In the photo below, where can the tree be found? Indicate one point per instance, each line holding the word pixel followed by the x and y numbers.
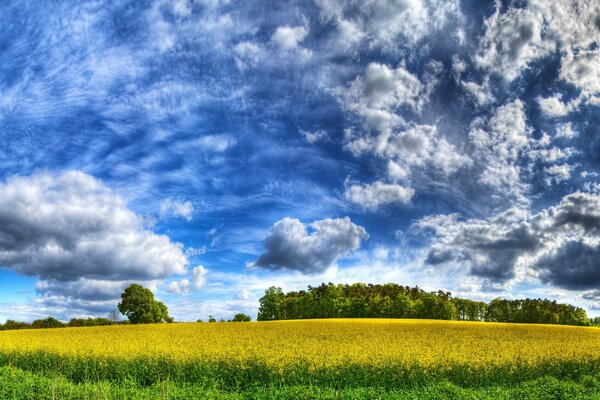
pixel 241 318
pixel 270 304
pixel 49 322
pixel 113 316
pixel 211 319
pixel 138 304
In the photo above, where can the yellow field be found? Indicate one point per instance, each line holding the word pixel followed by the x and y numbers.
pixel 322 343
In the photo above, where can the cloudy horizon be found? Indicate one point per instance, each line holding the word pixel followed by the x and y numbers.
pixel 209 149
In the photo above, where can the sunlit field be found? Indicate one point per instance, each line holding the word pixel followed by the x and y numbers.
pixel 334 355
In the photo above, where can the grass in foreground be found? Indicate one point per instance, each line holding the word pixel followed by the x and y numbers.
pixel 20 385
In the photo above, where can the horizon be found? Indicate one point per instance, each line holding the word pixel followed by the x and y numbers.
pixel 211 149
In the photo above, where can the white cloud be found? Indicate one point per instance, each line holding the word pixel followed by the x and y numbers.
pixel 386 24
pixel 316 136
pixel 498 144
pixel 511 41
pixel 581 70
pixel 176 208
pixel 199 277
pixel 554 107
pixel 557 173
pixel 376 95
pixel 288 38
pixel 196 281
pixel 482 94
pixel 565 131
pixel 178 287
pixel 515 38
pixel 291 245
pixel 79 238
pixel 378 193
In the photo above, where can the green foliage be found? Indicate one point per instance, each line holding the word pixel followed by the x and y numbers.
pixel 211 319
pixel 395 301
pixel 552 380
pixel 49 322
pixel 138 304
pixel 241 318
pixel 76 322
pixel 17 384
pixel 271 305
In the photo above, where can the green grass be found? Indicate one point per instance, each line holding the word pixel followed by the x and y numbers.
pixel 234 377
pixel 17 384
pixel 49 376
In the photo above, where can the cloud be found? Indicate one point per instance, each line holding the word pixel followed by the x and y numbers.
pixel 511 40
pixel 309 248
pixel 515 244
pixel 557 174
pixel 378 193
pixel 553 106
pixel 521 35
pixel 316 136
pixel 573 266
pixel 499 142
pixel 176 208
pixel 288 38
pixel 379 92
pixel 196 282
pixel 79 238
pixel 386 24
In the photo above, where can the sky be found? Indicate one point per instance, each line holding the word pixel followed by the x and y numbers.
pixel 209 149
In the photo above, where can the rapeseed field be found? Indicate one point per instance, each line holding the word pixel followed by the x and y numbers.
pixel 380 353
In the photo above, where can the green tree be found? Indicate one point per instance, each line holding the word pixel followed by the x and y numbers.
pixel 138 304
pixel 270 304
pixel 241 318
pixel 49 322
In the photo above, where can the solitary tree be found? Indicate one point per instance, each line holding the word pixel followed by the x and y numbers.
pixel 138 304
pixel 241 318
pixel 113 316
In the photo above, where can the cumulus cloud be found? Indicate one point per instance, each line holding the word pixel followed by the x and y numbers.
pixel 79 238
pixel 515 38
pixel 309 248
pixel 176 208
pixel 559 245
pixel 378 193
pixel 196 281
pixel 287 37
pixel 379 92
pixel 498 144
pixel 378 98
pixel 384 24
pixel 557 174
pixel 554 107
pixel 574 265
pixel 511 40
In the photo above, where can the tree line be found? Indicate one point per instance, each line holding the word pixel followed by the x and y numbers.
pixel 391 300
pixel 137 304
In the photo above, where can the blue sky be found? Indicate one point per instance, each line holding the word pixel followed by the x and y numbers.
pixel 210 149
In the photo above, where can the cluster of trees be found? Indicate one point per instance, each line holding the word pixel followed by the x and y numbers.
pixel 240 317
pixel 390 300
pixel 52 322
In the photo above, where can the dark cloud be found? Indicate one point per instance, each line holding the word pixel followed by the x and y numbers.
pixel 492 248
pixel 574 266
pixel 290 245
